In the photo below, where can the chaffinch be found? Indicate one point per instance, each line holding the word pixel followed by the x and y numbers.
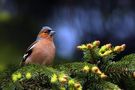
pixel 42 51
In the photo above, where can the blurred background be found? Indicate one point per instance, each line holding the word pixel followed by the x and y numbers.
pixel 75 22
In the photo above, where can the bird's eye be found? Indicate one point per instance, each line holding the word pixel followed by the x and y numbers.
pixel 47 31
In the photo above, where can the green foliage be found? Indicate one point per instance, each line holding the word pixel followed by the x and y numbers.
pixel 122 72
pixel 5 76
pixel 98 71
pixel 103 85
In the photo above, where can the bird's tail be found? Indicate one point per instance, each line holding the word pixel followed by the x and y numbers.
pixel 22 63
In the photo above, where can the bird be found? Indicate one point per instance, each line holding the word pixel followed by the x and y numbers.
pixel 42 51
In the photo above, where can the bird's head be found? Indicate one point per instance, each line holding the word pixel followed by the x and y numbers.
pixel 46 33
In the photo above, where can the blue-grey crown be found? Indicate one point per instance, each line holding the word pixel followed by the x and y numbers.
pixel 46 27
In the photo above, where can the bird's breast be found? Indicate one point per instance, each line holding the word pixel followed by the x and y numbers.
pixel 44 53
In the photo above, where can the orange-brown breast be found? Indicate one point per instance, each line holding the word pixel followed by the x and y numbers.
pixel 43 53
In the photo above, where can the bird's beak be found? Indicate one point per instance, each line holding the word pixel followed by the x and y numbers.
pixel 52 33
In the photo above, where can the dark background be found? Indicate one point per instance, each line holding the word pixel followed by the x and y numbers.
pixel 75 22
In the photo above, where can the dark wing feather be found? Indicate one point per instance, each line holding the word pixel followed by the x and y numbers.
pixel 28 53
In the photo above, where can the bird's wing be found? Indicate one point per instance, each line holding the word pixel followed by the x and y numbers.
pixel 28 52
